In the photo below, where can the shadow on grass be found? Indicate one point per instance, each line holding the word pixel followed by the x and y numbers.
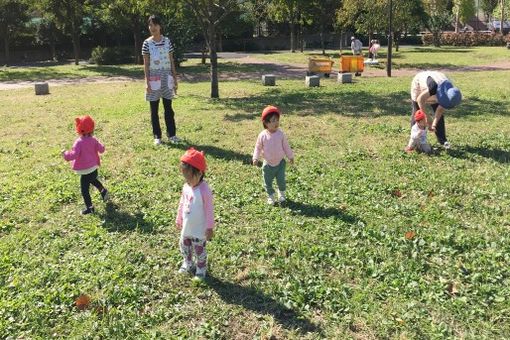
pixel 255 300
pixel 134 72
pixel 466 152
pixel 438 50
pixel 312 210
pixel 214 151
pixel 231 71
pixel 66 71
pixel 353 102
pixel 122 221
pixel 350 102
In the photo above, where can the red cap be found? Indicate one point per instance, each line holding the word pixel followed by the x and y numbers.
pixel 194 158
pixel 84 125
pixel 419 115
pixel 270 109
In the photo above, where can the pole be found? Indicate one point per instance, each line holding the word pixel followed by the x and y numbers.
pixel 390 39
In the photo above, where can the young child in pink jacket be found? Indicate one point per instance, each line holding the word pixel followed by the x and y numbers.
pixel 272 144
pixel 195 215
pixel 85 160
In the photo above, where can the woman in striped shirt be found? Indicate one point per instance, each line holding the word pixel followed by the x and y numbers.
pixel 161 78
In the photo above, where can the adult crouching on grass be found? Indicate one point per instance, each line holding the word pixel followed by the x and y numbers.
pixel 435 89
pixel 161 78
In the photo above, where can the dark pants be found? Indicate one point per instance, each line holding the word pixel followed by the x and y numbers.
pixel 440 127
pixel 85 182
pixel 169 118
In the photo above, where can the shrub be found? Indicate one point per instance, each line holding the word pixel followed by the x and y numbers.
pixel 468 39
pixel 111 55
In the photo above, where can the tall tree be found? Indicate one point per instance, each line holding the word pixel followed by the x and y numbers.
pixel 258 10
pixel 463 11
pixel 287 11
pixel 488 7
pixel 501 11
pixel 439 16
pixel 321 13
pixel 130 14
pixel 68 16
pixel 12 18
pixel 210 14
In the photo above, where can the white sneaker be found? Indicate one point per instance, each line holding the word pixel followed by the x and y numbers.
pixel 200 274
pixel 157 141
pixel 447 145
pixel 186 268
pixel 270 200
pixel 281 199
pixel 175 139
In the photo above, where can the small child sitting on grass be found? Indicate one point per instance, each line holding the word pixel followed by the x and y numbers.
pixel 418 139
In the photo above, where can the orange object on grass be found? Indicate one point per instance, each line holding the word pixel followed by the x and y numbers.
pixel 320 65
pixel 351 63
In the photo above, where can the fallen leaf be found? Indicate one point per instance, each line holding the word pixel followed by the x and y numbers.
pixel 397 193
pixel 452 288
pixel 410 235
pixel 82 302
pixel 430 194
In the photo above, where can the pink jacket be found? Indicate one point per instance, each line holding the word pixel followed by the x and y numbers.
pixel 85 153
pixel 207 198
pixel 273 147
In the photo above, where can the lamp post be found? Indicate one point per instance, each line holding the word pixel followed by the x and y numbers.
pixel 390 39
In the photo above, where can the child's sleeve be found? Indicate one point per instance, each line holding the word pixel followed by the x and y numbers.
pixel 415 133
pixel 178 219
pixel 286 148
pixel 100 146
pixel 207 198
pixel 74 152
pixel 258 148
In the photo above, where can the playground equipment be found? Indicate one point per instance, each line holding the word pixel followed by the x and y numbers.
pixel 319 65
pixel 352 64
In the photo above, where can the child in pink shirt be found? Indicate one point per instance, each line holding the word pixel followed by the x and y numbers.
pixel 272 144
pixel 85 160
pixel 195 215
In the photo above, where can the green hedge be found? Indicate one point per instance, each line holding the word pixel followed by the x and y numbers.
pixel 111 55
pixel 468 39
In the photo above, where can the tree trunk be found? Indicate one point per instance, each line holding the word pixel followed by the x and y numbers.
pixel 214 61
pixel 137 37
pixel 6 45
pixel 502 15
pixel 76 44
pixel 457 21
pixel 292 33
pixel 323 45
pixel 220 41
pixel 301 38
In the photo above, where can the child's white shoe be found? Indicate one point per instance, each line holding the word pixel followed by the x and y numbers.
pixel 270 200
pixel 200 274
pixel 157 141
pixel 186 268
pixel 447 145
pixel 281 197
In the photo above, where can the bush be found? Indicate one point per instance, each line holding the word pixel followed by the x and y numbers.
pixel 111 55
pixel 468 39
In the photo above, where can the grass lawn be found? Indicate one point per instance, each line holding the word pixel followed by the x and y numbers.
pixel 410 57
pixel 334 262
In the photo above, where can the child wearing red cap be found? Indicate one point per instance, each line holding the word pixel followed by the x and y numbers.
pixel 272 144
pixel 85 160
pixel 418 139
pixel 195 215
